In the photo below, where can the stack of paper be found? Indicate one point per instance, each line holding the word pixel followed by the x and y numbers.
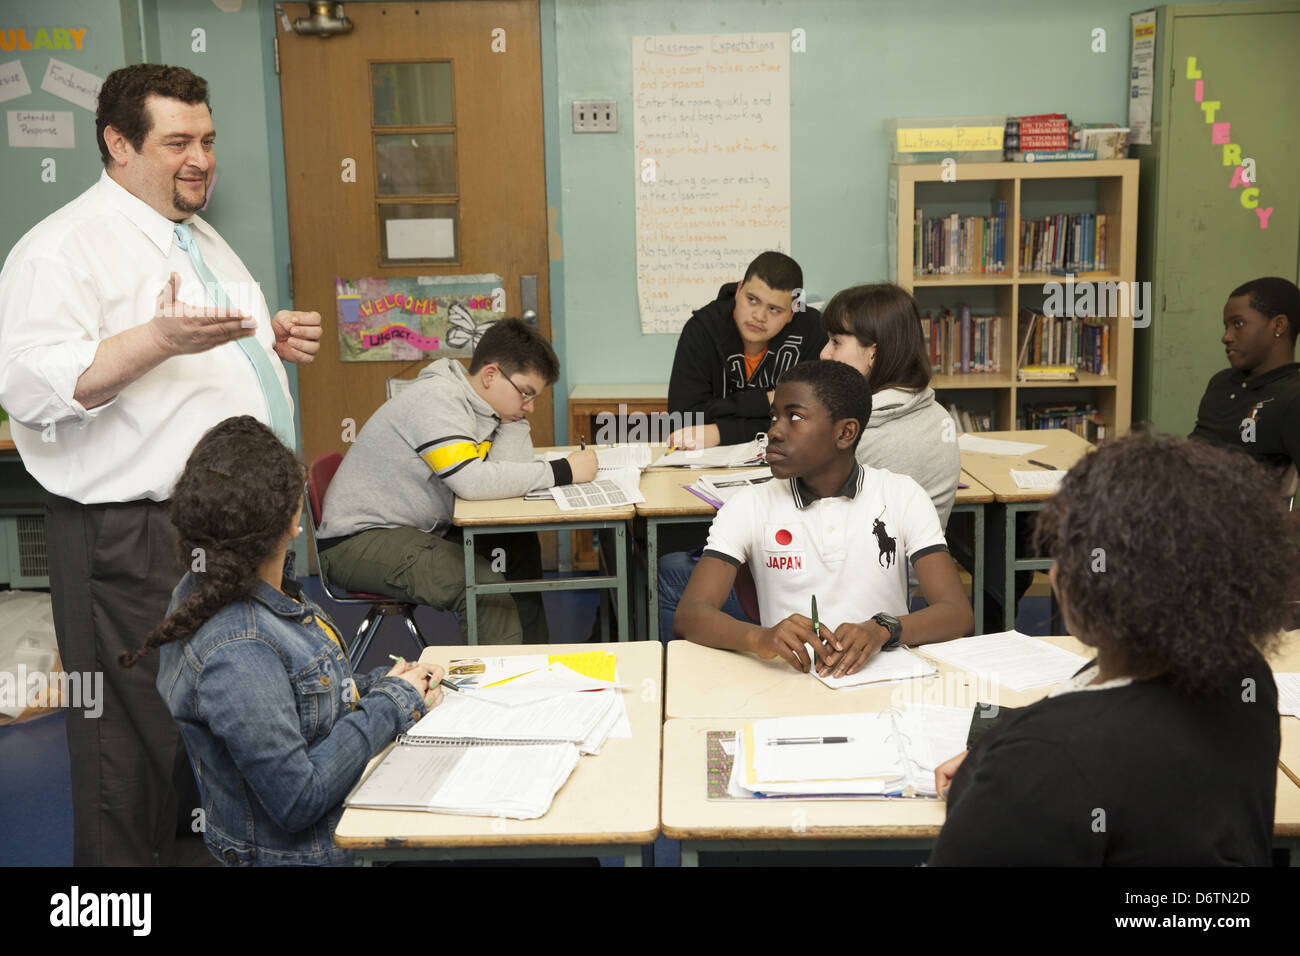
pixel 720 456
pixel 1038 480
pixel 896 664
pixel 868 755
pixel 719 489
pixel 1288 694
pixel 1010 658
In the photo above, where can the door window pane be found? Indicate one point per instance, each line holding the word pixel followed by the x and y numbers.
pixel 411 232
pixel 416 164
pixel 412 94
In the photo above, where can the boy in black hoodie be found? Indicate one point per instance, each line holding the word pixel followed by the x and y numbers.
pixel 732 351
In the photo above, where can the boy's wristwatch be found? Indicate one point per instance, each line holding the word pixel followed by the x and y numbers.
pixel 895 628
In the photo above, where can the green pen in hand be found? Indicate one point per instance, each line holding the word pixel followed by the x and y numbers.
pixel 817 627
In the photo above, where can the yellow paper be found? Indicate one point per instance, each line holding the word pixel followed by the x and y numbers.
pixel 949 139
pixel 598 665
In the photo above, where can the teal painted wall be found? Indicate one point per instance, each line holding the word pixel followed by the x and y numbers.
pixel 865 62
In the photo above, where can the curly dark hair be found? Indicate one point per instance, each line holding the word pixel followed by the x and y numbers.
pixel 234 501
pixel 837 386
pixel 122 99
pixel 884 315
pixel 1198 568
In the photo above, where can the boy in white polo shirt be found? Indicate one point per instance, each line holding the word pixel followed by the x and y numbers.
pixel 826 527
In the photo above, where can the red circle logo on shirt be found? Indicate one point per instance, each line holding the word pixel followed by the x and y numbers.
pixel 784 537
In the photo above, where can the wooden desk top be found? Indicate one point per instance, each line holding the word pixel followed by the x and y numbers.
pixel 1062 448
pixel 612 797
pixel 619 393
pixel 705 682
pixel 976 494
pixel 1287 660
pixel 688 813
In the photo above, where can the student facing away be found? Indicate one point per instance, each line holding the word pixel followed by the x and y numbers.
pixel 1163 751
pixel 877 330
pixel 825 526
pixel 732 351
pixel 386 527
pixel 277 726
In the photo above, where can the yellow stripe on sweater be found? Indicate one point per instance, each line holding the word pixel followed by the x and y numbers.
pixel 449 456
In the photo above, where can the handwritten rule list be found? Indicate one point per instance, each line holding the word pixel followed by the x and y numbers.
pixel 712 132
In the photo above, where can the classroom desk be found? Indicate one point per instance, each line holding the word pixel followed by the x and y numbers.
pixel 709 689
pixel 973 501
pixel 608 807
pixel 1286 659
pixel 1062 448
pixel 705 682
pixel 518 514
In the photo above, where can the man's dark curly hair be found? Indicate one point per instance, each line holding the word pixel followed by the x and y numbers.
pixel 841 388
pixel 122 100
pixel 1198 568
pixel 234 501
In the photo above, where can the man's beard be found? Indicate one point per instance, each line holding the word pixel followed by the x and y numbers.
pixel 188 205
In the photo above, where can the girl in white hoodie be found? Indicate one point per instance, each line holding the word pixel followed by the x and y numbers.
pixel 877 329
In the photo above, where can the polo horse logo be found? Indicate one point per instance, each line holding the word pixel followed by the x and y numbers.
pixel 887 545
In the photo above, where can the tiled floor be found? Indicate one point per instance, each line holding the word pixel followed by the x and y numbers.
pixel 35 789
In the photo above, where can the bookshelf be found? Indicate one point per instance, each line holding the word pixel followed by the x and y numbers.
pixel 1030 191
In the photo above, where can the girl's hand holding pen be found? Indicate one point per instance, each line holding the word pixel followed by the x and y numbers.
pixel 423 677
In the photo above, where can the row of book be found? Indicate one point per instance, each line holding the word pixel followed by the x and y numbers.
pixel 1082 419
pixel 1045 137
pixel 1080 342
pixel 1064 243
pixel 963 343
pixel 968 421
pixel 956 244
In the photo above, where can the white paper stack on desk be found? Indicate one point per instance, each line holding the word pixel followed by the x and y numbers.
pixel 848 756
pixel 502 750
pixel 617 482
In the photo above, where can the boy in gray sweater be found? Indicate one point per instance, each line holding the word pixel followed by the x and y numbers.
pixel 386 526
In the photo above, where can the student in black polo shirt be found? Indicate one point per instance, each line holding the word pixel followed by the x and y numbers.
pixel 1254 405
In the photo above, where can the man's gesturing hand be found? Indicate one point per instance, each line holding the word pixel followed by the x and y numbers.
pixel 297 335
pixel 181 329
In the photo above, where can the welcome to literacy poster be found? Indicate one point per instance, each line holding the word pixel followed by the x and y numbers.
pixel 409 318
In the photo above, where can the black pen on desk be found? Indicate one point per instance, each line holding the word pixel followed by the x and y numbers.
pixel 582 442
pixel 444 682
pixel 779 741
pixel 1043 464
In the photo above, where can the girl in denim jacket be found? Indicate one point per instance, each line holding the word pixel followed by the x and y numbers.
pixel 277 727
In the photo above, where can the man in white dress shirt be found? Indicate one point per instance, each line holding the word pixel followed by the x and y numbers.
pixel 116 355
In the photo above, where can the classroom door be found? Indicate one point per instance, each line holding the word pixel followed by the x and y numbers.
pixel 413 147
pixel 1214 243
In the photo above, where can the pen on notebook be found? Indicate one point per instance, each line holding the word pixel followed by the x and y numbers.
pixel 444 682
pixel 1043 464
pixel 778 741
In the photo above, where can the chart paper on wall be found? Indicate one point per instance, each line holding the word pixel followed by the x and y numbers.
pixel 711 124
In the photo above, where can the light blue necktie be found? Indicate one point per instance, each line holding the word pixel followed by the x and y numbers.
pixel 277 407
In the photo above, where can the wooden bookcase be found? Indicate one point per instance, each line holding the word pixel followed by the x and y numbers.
pixel 1031 191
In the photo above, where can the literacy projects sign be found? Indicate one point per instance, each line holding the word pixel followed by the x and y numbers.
pixel 408 318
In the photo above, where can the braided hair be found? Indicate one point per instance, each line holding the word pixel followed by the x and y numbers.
pixel 231 506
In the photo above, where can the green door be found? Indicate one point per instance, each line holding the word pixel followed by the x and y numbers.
pixel 1211 242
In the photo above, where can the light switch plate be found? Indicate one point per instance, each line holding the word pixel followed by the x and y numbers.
pixel 595 116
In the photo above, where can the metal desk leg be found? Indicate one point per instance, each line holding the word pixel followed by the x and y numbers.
pixel 652 576
pixel 620 563
pixel 471 585
pixel 1009 569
